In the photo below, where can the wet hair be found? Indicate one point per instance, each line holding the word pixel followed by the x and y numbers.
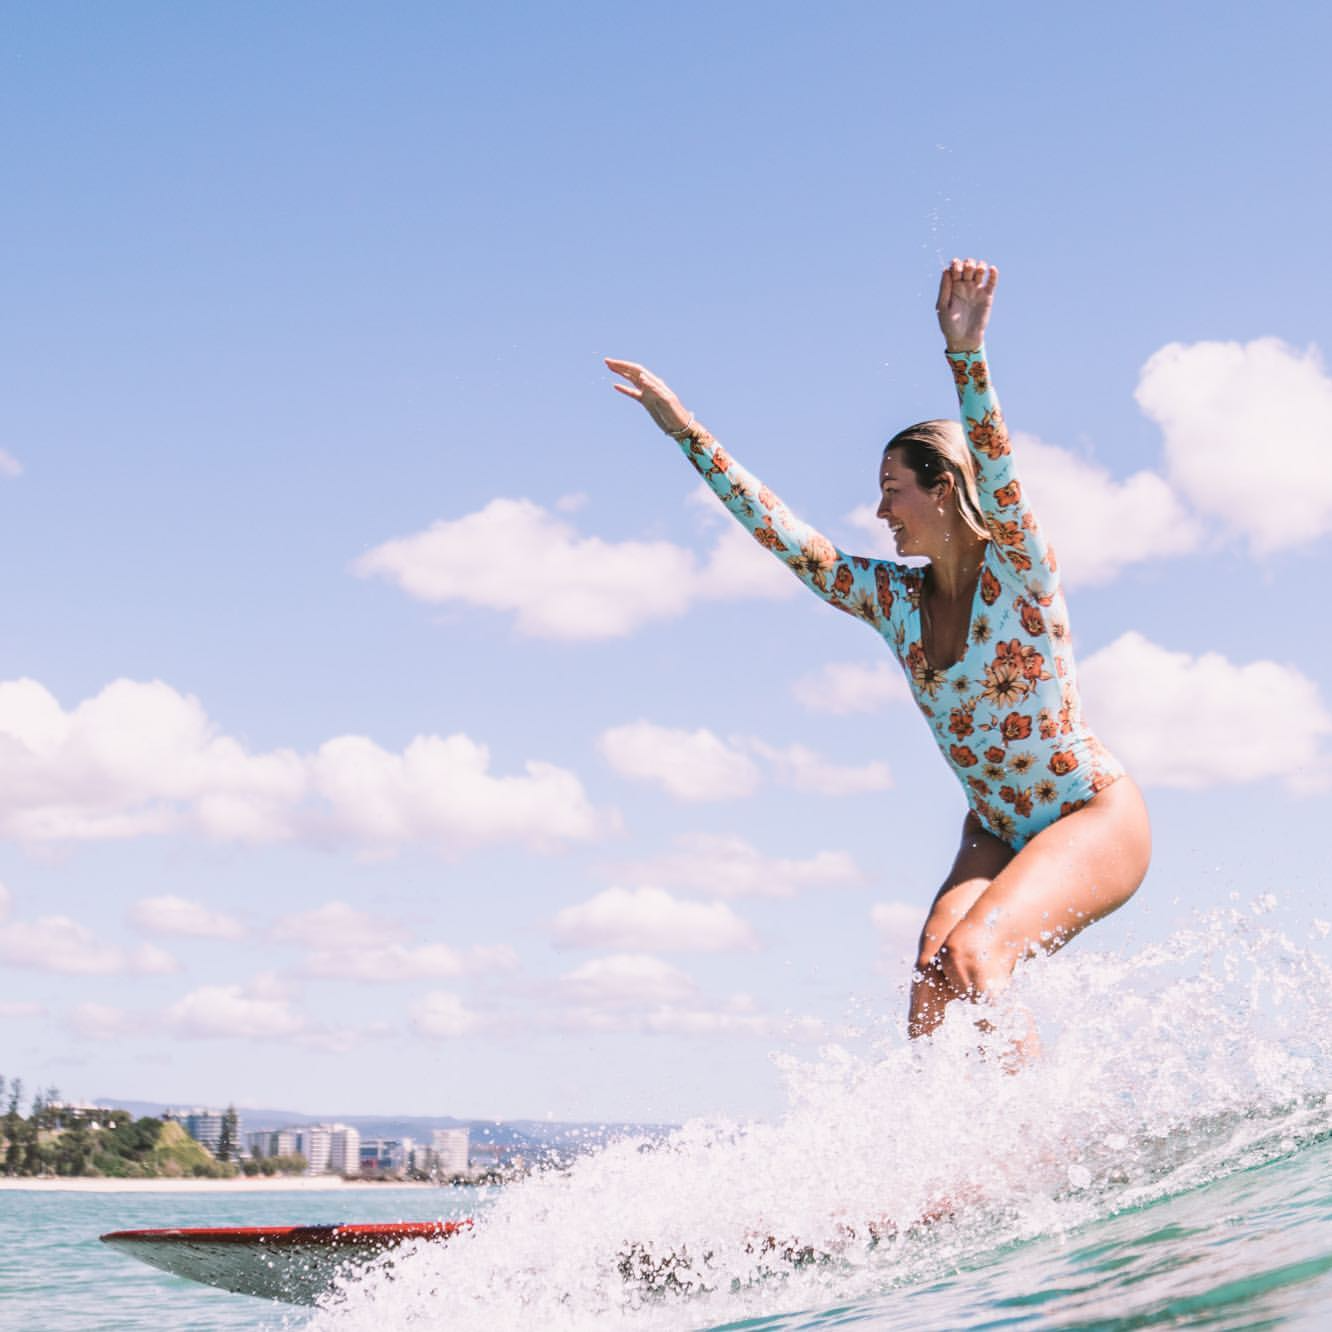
pixel 935 449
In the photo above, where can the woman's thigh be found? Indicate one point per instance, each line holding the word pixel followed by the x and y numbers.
pixel 1074 872
pixel 980 857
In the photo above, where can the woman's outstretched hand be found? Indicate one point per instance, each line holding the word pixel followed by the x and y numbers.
pixel 643 386
pixel 966 293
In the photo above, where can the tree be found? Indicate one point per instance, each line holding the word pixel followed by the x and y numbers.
pixel 226 1141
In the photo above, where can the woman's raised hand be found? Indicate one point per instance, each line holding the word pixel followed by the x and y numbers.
pixel 643 386
pixel 966 292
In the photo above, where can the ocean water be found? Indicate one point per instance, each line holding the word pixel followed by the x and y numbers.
pixel 1165 1162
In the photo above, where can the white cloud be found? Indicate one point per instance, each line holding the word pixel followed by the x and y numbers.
pixel 803 769
pixel 1248 432
pixel 10 467
pixel 224 1011
pixel 20 1010
pixel 626 979
pixel 844 687
pixel 397 962
pixel 140 759
pixel 698 765
pixel 177 915
pixel 336 926
pixel 651 920
pixel 63 945
pixel 1183 721
pixel 690 765
pixel 515 556
pixel 1099 525
pixel 729 866
pixel 443 1016
pixel 101 1022
pixel 440 790
pixel 898 925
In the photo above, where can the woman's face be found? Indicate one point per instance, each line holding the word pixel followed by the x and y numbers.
pixel 912 513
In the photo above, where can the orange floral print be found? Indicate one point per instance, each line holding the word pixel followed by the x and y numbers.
pixel 1015 727
pixel 1032 620
pixel 963 755
pixel 1062 762
pixel 883 589
pixel 989 434
pixel 989 587
pixel 959 723
pixel 843 580
pixel 980 376
pixel 769 539
pixel 1008 495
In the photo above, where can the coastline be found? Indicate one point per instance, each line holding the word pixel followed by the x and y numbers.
pixel 296 1184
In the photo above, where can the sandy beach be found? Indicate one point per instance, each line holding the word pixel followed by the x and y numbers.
pixel 296 1184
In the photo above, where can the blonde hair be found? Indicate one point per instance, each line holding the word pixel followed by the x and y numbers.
pixel 935 449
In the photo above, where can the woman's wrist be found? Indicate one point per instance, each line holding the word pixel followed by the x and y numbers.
pixel 681 431
pixel 952 350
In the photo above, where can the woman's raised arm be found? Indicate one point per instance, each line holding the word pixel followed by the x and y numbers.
pixel 860 586
pixel 966 296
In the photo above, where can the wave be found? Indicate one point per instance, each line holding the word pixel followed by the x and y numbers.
pixel 897 1166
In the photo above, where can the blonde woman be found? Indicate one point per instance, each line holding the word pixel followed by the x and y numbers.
pixel 1057 835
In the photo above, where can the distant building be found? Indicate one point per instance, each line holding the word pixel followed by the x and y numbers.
pixel 204 1126
pixel 386 1156
pixel 451 1148
pixel 274 1142
pixel 330 1148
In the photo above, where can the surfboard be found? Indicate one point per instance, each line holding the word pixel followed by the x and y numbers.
pixel 295 1264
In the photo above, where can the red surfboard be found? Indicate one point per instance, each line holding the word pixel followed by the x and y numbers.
pixel 296 1264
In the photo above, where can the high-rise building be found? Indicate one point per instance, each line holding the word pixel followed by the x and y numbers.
pixel 204 1126
pixel 274 1142
pixel 451 1147
pixel 332 1148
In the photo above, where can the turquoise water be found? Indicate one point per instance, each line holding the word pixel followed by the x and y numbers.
pixel 1165 1162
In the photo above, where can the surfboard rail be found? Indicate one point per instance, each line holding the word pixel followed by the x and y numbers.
pixel 294 1264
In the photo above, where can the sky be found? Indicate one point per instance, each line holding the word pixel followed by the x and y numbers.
pixel 388 725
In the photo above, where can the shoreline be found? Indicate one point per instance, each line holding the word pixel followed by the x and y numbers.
pixel 297 1184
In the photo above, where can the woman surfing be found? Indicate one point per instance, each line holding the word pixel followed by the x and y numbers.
pixel 1057 834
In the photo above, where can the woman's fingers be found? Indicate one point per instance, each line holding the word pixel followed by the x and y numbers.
pixel 636 394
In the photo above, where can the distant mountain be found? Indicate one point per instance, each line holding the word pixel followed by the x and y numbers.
pixel 533 1137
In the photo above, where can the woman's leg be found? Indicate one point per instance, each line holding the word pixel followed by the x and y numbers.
pixel 1074 872
pixel 980 857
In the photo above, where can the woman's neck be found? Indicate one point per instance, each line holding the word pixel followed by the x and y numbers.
pixel 954 570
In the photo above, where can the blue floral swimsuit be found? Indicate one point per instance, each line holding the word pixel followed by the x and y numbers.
pixel 1006 716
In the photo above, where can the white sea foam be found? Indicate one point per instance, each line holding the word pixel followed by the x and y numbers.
pixel 1161 1069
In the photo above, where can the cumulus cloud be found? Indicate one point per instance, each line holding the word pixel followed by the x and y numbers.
pixel 803 769
pixel 257 1012
pixel 650 920
pixel 722 865
pixel 1196 721
pixel 626 979
pixel 1097 524
pixel 442 1016
pixel 68 947
pixel 700 766
pixel 1248 430
pixel 844 687
pixel 10 467
pixel 349 944
pixel 398 962
pixel 179 916
pixel 141 758
pixel 20 1010
pixel 102 1022
pixel 517 557
pixel 690 765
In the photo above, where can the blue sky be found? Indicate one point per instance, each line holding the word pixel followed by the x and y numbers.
pixel 287 286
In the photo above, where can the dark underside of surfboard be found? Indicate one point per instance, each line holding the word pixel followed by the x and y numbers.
pixel 295 1264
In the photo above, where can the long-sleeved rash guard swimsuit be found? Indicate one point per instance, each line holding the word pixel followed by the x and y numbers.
pixel 1006 716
